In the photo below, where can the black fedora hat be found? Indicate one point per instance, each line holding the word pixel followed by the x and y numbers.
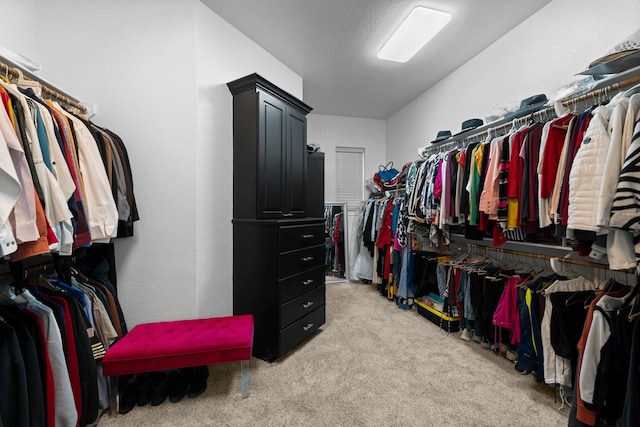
pixel 470 124
pixel 527 106
pixel 442 135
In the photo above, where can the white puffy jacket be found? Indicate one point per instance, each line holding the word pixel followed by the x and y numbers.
pixel 587 171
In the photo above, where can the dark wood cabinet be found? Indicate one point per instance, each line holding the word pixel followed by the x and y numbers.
pixel 270 151
pixel 278 276
pixel 278 225
pixel 315 193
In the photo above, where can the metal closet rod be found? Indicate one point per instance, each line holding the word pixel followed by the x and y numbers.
pixel 602 92
pixel 534 255
pixel 16 72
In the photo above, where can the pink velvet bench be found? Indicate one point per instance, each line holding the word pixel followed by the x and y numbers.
pixel 181 344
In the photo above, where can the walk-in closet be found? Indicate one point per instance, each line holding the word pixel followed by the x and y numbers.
pixel 280 212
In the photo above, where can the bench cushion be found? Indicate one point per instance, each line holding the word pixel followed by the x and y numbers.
pixel 179 344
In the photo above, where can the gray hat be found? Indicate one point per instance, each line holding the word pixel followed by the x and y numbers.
pixel 527 106
pixel 442 135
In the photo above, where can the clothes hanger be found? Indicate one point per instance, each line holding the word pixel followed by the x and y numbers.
pixel 580 298
pixel 22 82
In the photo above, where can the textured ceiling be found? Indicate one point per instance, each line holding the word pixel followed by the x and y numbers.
pixel 332 45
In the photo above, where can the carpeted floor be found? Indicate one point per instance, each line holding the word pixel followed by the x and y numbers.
pixel 371 364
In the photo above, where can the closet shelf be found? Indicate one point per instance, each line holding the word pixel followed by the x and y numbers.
pixel 13 70
pixel 608 86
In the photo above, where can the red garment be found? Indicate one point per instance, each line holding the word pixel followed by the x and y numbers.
pixel 498 236
pixel 386 273
pixel 385 233
pixel 516 167
pixel 551 154
pixel 71 353
pixel 5 101
pixel 51 236
pixel 50 404
pixel 336 228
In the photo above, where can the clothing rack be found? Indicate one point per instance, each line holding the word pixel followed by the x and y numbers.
pixel 547 258
pixel 493 129
pixel 14 71
pixel 519 253
pixel 602 93
pixel 603 89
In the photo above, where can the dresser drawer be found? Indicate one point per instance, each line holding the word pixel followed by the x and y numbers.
pixel 301 329
pixel 298 307
pixel 300 260
pixel 300 236
pixel 293 286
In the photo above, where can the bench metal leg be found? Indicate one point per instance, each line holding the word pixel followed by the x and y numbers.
pixel 244 379
pixel 114 395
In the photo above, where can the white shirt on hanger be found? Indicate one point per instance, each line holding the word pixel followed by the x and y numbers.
pixel 102 210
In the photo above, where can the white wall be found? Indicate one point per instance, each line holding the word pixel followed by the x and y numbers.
pixel 223 55
pixel 157 71
pixel 139 66
pixel 13 34
pixel 330 132
pixel 539 56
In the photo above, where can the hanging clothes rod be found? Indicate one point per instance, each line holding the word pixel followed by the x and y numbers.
pixel 490 130
pixel 12 70
pixel 582 263
pixel 604 92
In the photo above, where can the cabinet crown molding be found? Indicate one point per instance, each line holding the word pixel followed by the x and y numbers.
pixel 257 82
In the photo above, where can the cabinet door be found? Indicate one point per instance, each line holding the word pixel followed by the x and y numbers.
pixel 296 163
pixel 272 169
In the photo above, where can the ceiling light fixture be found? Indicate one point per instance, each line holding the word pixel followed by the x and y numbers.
pixel 414 32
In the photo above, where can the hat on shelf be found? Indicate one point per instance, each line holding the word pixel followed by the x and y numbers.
pixel 470 124
pixel 623 56
pixel 527 106
pixel 442 135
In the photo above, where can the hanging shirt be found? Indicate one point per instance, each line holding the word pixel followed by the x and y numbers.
pixel 102 210
pixel 489 197
pixel 23 216
pixel 10 189
pixel 562 161
pixel 543 203
pixel 554 144
pixel 530 154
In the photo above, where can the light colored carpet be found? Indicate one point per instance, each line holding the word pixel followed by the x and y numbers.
pixel 371 364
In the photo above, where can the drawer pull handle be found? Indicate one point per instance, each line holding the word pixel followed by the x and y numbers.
pixel 307 304
pixel 307 236
pixel 288 214
pixel 307 259
pixel 307 282
pixel 307 326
